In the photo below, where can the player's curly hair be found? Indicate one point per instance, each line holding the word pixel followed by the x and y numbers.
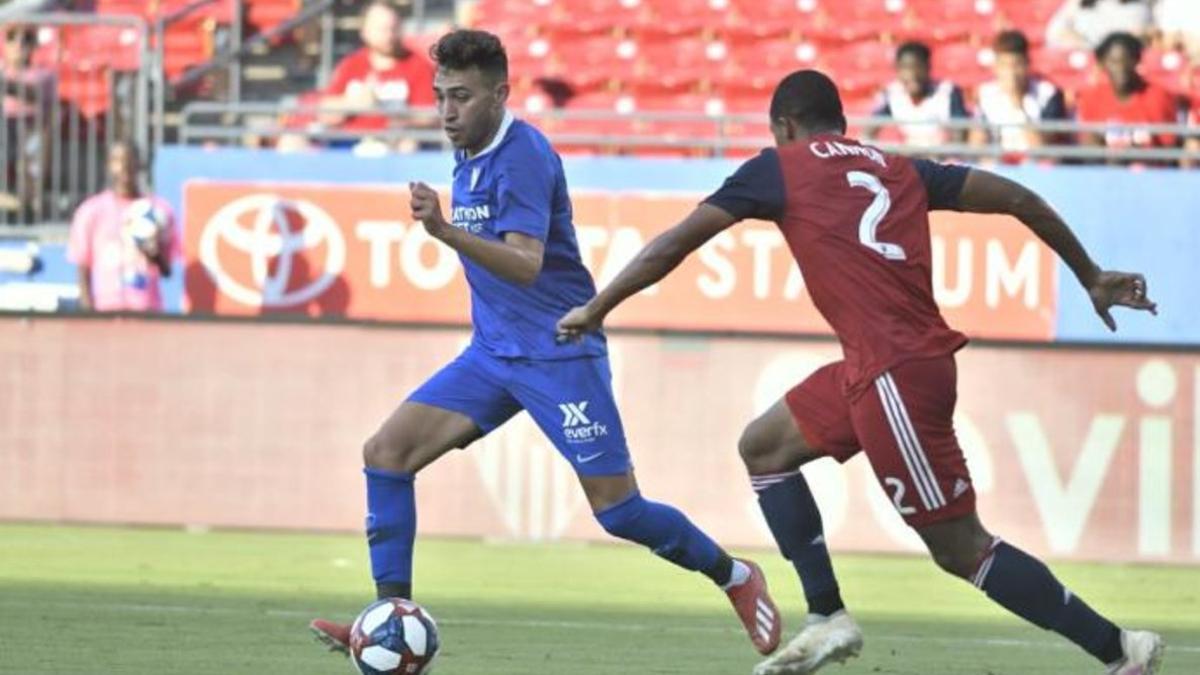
pixel 464 49
pixel 811 99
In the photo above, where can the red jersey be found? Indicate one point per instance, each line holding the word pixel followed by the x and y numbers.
pixel 408 82
pixel 1149 105
pixel 856 220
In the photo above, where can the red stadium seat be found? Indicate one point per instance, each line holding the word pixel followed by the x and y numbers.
pixel 532 57
pixel 530 101
pixel 684 51
pixel 48 52
pixel 596 63
pixel 115 47
pixel 220 10
pixel 186 44
pixel 678 66
pixel 667 57
pixel 594 17
pixel 134 7
pixel 943 21
pixel 963 63
pixel 778 56
pixel 1070 69
pixel 1032 16
pixel 87 89
pixel 860 84
pixel 757 21
pixel 860 56
pixel 746 79
pixel 1168 69
pixel 845 22
pixel 266 14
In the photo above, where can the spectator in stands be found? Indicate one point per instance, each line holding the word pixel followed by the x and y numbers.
pixel 921 104
pixel 1192 144
pixel 1177 23
pixel 382 75
pixel 28 97
pixel 1015 99
pixel 1125 97
pixel 123 241
pixel 1083 24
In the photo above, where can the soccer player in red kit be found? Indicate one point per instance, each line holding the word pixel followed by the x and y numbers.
pixel 856 220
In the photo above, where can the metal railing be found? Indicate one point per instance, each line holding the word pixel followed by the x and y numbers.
pixel 161 85
pixel 707 135
pixel 64 108
pixel 240 49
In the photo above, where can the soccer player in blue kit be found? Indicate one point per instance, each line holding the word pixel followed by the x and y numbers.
pixel 511 224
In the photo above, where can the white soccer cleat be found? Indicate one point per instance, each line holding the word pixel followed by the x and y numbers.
pixel 1143 653
pixel 822 641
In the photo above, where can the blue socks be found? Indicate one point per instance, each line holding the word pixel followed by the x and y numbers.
pixel 1024 586
pixel 795 521
pixel 668 533
pixel 391 529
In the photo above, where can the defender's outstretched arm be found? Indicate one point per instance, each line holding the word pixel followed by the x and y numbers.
pixel 654 262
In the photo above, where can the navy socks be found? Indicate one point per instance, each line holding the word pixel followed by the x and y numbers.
pixel 795 521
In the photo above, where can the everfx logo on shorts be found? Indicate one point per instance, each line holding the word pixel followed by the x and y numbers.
pixel 577 426
pixel 273 233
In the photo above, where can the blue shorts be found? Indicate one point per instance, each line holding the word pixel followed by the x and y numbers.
pixel 571 401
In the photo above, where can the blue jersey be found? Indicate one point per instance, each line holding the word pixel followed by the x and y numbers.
pixel 517 184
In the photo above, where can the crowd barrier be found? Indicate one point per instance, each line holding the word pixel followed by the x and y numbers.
pixel 1082 453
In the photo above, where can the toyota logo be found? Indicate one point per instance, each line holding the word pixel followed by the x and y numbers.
pixel 269 229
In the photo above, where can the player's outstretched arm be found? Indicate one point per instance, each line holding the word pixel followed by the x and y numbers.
pixel 985 192
pixel 654 262
pixel 516 258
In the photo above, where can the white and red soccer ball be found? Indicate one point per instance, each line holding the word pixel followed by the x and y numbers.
pixel 394 636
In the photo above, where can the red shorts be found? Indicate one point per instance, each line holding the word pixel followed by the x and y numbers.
pixel 905 423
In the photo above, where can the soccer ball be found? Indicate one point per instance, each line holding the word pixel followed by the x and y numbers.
pixel 394 636
pixel 145 221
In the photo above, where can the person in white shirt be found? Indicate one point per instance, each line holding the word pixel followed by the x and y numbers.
pixel 1083 24
pixel 1178 24
pixel 1015 98
pixel 921 104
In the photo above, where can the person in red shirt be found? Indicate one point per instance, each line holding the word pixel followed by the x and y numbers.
pixel 382 75
pixel 1126 98
pixel 856 220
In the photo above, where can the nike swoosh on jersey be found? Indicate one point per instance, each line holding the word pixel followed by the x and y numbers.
pixel 584 459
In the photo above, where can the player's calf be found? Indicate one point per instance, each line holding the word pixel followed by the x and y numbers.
pixel 773 448
pixel 1021 584
pixel 670 535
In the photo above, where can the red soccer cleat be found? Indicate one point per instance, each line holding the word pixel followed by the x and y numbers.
pixel 336 636
pixel 757 611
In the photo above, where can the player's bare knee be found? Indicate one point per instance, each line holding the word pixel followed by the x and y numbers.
pixel 755 448
pixel 383 452
pixel 957 547
pixel 954 561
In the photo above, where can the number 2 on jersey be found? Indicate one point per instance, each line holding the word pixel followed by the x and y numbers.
pixel 875 214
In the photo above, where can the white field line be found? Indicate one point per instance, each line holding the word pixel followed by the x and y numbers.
pixel 545 624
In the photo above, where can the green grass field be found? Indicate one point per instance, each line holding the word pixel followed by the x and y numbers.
pixel 130 601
